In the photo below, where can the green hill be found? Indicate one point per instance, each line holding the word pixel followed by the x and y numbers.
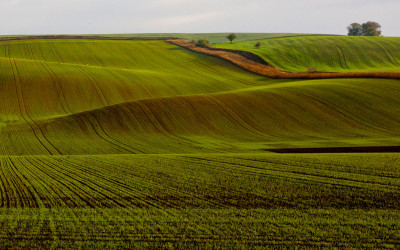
pixel 153 97
pixel 327 53
pixel 143 144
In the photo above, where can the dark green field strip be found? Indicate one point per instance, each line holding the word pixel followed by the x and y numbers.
pixel 237 228
pixel 287 170
pixel 376 164
pixel 381 149
pixel 193 181
pixel 305 111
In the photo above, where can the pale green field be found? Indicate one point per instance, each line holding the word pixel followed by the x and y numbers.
pixel 327 53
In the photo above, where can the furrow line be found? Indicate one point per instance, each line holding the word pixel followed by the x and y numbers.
pixel 135 193
pixel 36 201
pixel 21 107
pixel 60 91
pixel 95 85
pixel 308 177
pixel 59 181
pixel 47 191
pixel 100 133
pixel 154 122
pixel 304 170
pixel 189 142
pixel 340 51
pixel 387 52
pixel 234 116
pixel 143 182
pixel 55 80
pixel 53 49
pixel 93 185
pixel 344 112
pixel 5 185
pixel 50 147
pixel 137 83
pixel 19 199
pixel 86 120
pixel 91 55
pixel 309 163
pixel 56 193
pixel 114 141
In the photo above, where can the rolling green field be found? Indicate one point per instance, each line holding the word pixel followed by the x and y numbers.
pixel 118 97
pixel 214 37
pixel 145 144
pixel 327 53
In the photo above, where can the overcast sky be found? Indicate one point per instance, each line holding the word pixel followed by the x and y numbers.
pixel 192 16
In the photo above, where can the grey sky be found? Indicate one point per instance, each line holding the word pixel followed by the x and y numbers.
pixel 162 16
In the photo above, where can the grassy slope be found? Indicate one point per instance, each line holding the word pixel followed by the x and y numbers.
pixel 126 101
pixel 153 97
pixel 328 53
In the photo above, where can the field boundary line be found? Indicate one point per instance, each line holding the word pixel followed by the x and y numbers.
pixel 236 58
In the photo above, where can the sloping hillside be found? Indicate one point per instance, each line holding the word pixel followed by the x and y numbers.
pixel 106 97
pixel 327 53
pixel 144 144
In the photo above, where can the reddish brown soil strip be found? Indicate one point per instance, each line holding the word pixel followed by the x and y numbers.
pixel 256 65
pixel 379 149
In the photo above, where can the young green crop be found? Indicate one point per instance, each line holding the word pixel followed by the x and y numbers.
pixel 200 200
pixel 160 147
pixel 201 181
pixel 327 53
pixel 65 96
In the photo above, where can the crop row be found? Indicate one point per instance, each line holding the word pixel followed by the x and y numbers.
pixel 195 181
pixel 198 228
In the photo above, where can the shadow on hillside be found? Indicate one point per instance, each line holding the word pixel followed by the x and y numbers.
pixel 379 149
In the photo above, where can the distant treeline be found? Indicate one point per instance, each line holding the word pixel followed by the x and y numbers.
pixel 365 29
